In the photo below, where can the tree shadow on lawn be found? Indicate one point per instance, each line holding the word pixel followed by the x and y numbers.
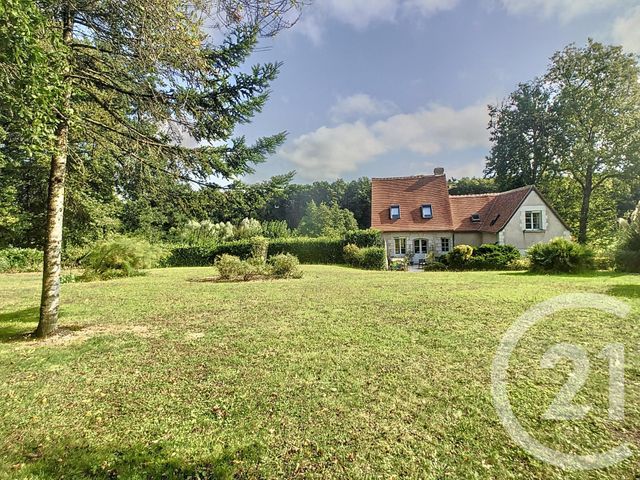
pixel 599 274
pixel 626 291
pixel 11 324
pixel 137 461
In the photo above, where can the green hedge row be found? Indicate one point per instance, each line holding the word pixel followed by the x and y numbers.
pixel 308 250
pixel 326 251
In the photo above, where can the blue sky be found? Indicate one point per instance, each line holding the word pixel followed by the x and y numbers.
pixel 397 87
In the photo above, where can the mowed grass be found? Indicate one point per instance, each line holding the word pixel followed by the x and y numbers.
pixel 341 374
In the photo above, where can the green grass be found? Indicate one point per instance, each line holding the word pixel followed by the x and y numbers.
pixel 341 374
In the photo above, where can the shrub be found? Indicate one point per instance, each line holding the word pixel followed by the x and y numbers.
pixel 435 267
pixel 627 256
pixel 259 249
pixel 352 254
pixel 120 257
pixel 364 238
pixel 320 250
pixel 519 264
pixel 231 267
pixel 16 260
pixel 560 256
pixel 459 257
pixel 370 258
pixel 373 258
pixel 285 265
pixel 276 229
pixel 248 228
pixel 493 257
pixel 326 220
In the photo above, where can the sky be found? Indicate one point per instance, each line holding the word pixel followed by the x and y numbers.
pixel 381 88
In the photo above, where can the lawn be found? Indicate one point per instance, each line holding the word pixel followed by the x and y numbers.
pixel 341 374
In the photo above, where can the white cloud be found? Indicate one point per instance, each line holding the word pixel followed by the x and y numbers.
pixel 626 30
pixel 360 106
pixel 330 152
pixel 438 128
pixel 564 9
pixel 359 14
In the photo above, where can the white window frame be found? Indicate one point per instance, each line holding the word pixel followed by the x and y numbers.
pixel 423 248
pixel 391 209
pixel 398 246
pixel 530 224
pixel 442 241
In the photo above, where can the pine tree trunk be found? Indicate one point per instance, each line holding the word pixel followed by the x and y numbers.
pixel 584 209
pixel 50 299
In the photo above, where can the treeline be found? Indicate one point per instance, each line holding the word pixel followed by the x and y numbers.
pixel 154 205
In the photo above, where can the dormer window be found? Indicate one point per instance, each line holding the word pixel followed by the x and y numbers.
pixel 427 211
pixel 394 212
pixel 475 218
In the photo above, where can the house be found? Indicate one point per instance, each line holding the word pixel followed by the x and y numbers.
pixel 418 216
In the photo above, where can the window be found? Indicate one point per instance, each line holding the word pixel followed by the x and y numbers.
pixel 533 220
pixel 427 211
pixel 445 246
pixel 400 247
pixel 420 245
pixel 475 218
pixel 394 212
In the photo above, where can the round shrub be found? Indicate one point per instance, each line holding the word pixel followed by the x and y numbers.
pixel 285 265
pixel 352 254
pixel 560 256
pixel 435 267
pixel 230 267
pixel 459 257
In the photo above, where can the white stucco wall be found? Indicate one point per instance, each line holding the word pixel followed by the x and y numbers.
pixel 514 232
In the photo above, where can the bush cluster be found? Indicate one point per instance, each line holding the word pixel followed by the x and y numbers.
pixel 561 256
pixel 485 257
pixel 120 256
pixel 231 267
pixel 364 238
pixel 14 260
pixel 368 258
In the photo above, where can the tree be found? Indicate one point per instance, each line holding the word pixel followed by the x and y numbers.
pixel 597 99
pixel 523 129
pixel 134 82
pixel 472 186
pixel 326 220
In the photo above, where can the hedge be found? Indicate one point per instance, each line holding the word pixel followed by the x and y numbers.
pixel 364 238
pixel 206 256
pixel 326 251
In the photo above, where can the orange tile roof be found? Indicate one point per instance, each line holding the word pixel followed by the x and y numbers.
pixel 410 193
pixel 450 212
